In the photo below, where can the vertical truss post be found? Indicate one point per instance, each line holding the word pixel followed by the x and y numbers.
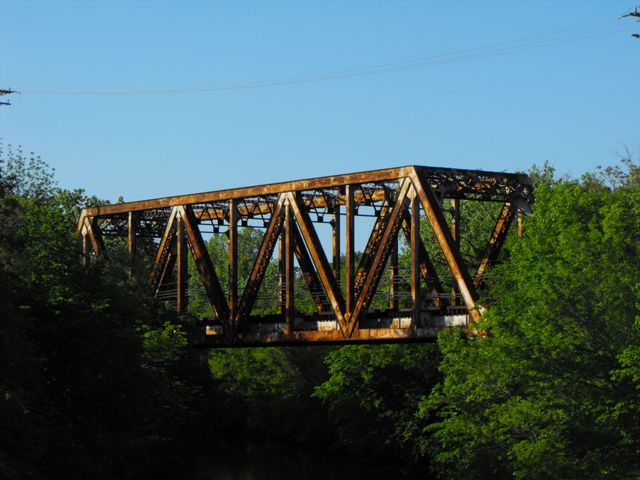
pixel 520 226
pixel 349 249
pixel 335 241
pixel 181 264
pixel 416 241
pixel 455 234
pixel 85 248
pixel 232 259
pixel 132 226
pixel 393 276
pixel 289 268
pixel 282 297
pixel 427 269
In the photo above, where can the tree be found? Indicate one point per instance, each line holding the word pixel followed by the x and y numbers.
pixel 373 393
pixel 96 380
pixel 551 392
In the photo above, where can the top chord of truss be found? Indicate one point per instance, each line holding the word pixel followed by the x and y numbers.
pixel 446 182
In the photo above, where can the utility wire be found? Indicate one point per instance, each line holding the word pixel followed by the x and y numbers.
pixel 557 37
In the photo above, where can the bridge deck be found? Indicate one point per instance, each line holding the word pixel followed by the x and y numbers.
pixel 377 327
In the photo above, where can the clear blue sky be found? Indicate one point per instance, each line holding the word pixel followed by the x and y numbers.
pixel 571 104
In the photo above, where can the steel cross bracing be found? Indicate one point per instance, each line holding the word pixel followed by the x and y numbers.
pixel 343 284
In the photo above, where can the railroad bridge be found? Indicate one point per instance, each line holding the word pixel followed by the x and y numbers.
pixel 343 284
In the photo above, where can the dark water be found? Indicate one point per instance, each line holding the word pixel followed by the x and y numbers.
pixel 283 461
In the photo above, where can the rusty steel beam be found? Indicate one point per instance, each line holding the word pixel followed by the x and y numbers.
pixel 380 257
pixel 393 276
pixel 438 223
pixel 163 252
pixel 181 264
pixel 265 207
pixel 232 258
pixel 335 241
pixel 496 240
pixel 132 227
pixel 455 234
pixel 315 337
pixel 369 251
pixel 453 183
pixel 349 249
pixel 308 273
pixel 289 271
pixel 327 279
pixel 427 269
pixel 269 189
pixel 167 269
pixel 93 231
pixel 204 265
pixel 85 250
pixel 90 241
pixel 520 225
pixel 281 278
pixel 260 265
pixel 416 298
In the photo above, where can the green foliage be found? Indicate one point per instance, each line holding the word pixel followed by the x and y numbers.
pixel 373 393
pixel 552 391
pixel 96 381
pixel 269 390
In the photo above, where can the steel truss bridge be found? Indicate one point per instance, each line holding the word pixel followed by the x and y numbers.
pixel 288 213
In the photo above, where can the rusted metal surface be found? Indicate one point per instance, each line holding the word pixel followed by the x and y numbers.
pixel 289 269
pixel 163 252
pixel 204 265
pixel 498 236
pixel 260 265
pixel 414 241
pixel 435 215
pixel 181 266
pixel 232 258
pixel 393 276
pixel 455 233
pixel 325 274
pixel 380 255
pixel 343 284
pixel 308 272
pixel 350 248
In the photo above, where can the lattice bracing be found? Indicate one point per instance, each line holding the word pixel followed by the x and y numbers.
pixel 355 296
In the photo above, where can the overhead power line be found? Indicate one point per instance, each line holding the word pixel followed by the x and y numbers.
pixel 548 39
